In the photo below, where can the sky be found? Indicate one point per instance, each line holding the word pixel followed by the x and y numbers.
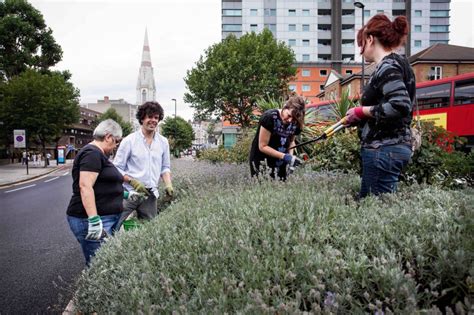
pixel 102 42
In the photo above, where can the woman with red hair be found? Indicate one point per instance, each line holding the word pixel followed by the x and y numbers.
pixel 385 115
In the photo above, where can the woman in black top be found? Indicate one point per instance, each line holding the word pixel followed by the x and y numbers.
pixel 275 134
pixel 96 203
pixel 386 112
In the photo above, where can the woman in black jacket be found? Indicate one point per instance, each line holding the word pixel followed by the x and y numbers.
pixel 386 112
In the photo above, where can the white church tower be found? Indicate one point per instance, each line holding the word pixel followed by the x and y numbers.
pixel 146 90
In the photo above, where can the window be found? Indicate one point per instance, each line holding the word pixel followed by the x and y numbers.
pixel 348 71
pixel 434 96
pixel 366 13
pixel 417 28
pixel 232 12
pixel 348 12
pixel 305 12
pixel 253 27
pixel 324 27
pixel 292 12
pixel 398 12
pixel 306 88
pixel 435 73
pixel 292 27
pixel 418 13
pixel 321 87
pixel 417 43
pixel 380 11
pixel 270 12
pixel 253 12
pixel 232 27
pixel 347 43
pixel 323 73
pixel 439 13
pixel 432 42
pixel 347 27
pixel 324 42
pixel 306 42
pixel 292 42
pixel 305 27
pixel 271 27
pixel 439 28
pixel 305 57
pixel 464 92
pixel 306 73
pixel 348 57
pixel 292 87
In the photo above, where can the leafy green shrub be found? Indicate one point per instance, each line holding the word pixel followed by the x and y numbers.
pixel 238 245
pixel 239 153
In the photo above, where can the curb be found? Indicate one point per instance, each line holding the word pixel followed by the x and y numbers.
pixel 33 177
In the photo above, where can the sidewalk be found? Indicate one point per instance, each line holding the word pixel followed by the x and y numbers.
pixel 16 173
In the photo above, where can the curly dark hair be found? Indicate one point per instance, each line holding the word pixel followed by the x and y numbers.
pixel 149 109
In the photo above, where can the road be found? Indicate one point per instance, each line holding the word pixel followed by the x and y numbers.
pixel 39 256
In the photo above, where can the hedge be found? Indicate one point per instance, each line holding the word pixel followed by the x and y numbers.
pixel 231 244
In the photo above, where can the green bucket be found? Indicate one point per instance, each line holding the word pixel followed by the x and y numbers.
pixel 130 224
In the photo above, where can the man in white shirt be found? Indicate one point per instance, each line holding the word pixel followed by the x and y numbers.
pixel 143 157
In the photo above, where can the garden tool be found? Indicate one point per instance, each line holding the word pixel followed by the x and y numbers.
pixel 326 134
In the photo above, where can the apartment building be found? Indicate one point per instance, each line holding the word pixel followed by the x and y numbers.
pixel 322 33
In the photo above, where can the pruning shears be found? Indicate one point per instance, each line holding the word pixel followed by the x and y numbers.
pixel 326 134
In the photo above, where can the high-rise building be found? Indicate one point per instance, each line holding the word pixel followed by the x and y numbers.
pixel 146 90
pixel 322 33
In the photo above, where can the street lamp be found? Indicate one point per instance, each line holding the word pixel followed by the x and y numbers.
pixel 361 6
pixel 175 128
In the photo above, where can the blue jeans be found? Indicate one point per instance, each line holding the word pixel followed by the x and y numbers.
pixel 79 227
pixel 381 168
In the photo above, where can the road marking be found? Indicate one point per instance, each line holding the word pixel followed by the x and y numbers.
pixel 65 174
pixel 19 188
pixel 46 181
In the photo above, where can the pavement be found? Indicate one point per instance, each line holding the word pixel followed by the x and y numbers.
pixel 11 174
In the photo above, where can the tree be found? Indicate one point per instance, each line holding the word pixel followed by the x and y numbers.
pixel 179 132
pixel 43 104
pixel 26 41
pixel 236 72
pixel 112 114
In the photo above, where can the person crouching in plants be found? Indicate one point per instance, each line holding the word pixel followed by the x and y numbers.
pixel 386 112
pixel 276 132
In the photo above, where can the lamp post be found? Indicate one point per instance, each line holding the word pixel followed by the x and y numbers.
pixel 361 6
pixel 175 128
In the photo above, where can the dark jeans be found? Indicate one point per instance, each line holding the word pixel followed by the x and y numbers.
pixel 146 210
pixel 79 227
pixel 381 168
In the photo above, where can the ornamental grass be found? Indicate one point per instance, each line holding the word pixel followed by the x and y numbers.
pixel 231 244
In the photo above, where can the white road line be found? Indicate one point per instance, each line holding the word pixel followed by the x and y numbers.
pixel 46 181
pixel 65 174
pixel 19 188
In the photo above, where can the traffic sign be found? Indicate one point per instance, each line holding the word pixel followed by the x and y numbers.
pixel 19 138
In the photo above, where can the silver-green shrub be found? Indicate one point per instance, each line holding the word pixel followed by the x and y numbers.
pixel 232 244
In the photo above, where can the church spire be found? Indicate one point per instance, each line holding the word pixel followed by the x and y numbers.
pixel 146 90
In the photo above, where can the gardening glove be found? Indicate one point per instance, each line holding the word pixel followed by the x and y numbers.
pixel 169 193
pixel 354 116
pixel 288 158
pixel 95 230
pixel 139 187
pixel 136 197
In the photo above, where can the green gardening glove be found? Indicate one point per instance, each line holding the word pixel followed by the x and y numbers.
pixel 169 193
pixel 95 229
pixel 139 187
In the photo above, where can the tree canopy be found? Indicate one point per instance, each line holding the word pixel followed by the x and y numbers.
pixel 26 41
pixel 236 72
pixel 112 114
pixel 43 104
pixel 179 132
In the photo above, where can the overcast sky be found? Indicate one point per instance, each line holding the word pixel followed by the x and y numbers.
pixel 102 42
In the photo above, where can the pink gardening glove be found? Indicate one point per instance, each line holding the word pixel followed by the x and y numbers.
pixel 354 115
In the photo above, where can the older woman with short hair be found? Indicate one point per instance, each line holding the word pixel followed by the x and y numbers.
pixel 96 203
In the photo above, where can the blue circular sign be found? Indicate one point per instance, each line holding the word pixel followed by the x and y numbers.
pixel 19 138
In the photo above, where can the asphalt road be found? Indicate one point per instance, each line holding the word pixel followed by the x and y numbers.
pixel 39 257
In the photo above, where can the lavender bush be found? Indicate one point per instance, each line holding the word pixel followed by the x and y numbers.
pixel 231 244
